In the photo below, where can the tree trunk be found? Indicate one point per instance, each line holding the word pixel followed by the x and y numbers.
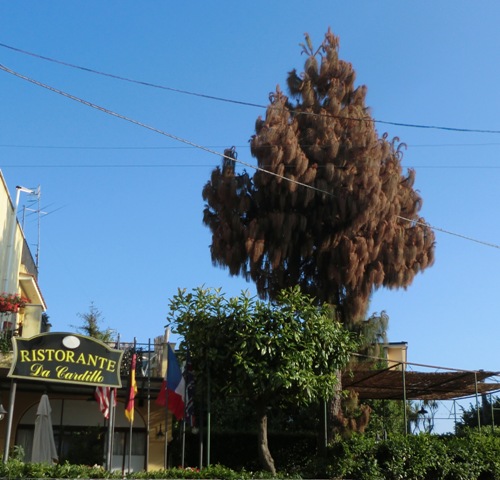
pixel 265 458
pixel 334 409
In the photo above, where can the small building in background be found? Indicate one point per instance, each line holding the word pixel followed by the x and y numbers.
pixel 396 354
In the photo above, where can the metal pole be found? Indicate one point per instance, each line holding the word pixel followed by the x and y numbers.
pixel 325 421
pixel 149 405
pixel 455 414
pixel 10 416
pixel 165 460
pixel 405 415
pixel 208 418
pixel 492 414
pixel 132 374
pixel 130 445
pixel 477 403
pixel 111 426
pixel 183 446
pixel 201 433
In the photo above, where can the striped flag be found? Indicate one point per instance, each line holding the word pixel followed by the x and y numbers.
pixel 132 390
pixel 102 395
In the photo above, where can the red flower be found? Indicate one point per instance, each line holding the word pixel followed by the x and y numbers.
pixel 12 302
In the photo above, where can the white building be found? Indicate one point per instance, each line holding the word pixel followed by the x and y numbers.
pixel 18 271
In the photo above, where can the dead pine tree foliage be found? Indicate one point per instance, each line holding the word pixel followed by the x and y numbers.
pixel 330 208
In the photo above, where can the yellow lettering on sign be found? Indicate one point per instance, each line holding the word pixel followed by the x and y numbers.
pixel 37 370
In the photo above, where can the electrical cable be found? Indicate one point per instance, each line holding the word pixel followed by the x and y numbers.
pixel 238 102
pixel 187 142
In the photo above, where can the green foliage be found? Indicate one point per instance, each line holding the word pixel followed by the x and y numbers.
pixel 474 456
pixel 15 469
pixel 488 410
pixel 471 456
pixel 386 418
pixel 284 352
pixel 91 325
pixel 6 341
pixel 17 452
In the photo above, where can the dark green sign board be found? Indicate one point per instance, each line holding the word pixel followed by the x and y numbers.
pixel 66 358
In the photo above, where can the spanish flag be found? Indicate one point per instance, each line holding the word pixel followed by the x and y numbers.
pixel 132 390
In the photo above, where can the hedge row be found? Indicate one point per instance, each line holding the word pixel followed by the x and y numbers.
pixel 15 469
pixel 474 456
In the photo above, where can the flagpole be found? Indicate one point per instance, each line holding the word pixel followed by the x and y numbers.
pixel 132 419
pixel 208 417
pixel 111 427
pixel 149 403
pixel 166 339
pixel 183 448
pixel 201 432
pixel 165 461
pixel 112 415
pixel 183 428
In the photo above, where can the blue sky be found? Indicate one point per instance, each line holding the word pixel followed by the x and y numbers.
pixel 124 228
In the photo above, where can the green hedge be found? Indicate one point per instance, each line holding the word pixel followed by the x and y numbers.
pixel 14 469
pixel 471 456
pixel 474 456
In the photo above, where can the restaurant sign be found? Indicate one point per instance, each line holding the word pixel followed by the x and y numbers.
pixel 66 358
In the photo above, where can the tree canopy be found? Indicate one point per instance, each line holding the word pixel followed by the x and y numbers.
pixel 91 325
pixel 275 353
pixel 328 207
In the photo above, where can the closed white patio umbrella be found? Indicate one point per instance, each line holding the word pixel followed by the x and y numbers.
pixel 44 446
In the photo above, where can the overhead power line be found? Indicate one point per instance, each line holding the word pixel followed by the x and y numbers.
pixel 238 102
pixel 246 146
pixel 187 142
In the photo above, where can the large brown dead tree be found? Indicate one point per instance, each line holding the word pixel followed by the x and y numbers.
pixel 329 208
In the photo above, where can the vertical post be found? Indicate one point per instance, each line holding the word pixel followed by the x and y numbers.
pixel 492 414
pixel 201 433
pixel 183 445
pixel 208 418
pixel 148 433
pixel 455 414
pixel 130 445
pixel 111 431
pixel 165 460
pixel 405 414
pixel 325 426
pixel 10 416
pixel 183 427
pixel 477 403
pixel 132 375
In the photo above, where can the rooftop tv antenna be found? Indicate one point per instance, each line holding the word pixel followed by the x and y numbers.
pixel 34 207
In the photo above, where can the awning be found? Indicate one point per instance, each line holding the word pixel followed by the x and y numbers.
pixel 391 384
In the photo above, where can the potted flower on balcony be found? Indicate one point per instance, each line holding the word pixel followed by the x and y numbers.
pixel 12 302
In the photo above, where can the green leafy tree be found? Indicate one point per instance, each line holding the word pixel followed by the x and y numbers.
pixel 487 412
pixel 286 352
